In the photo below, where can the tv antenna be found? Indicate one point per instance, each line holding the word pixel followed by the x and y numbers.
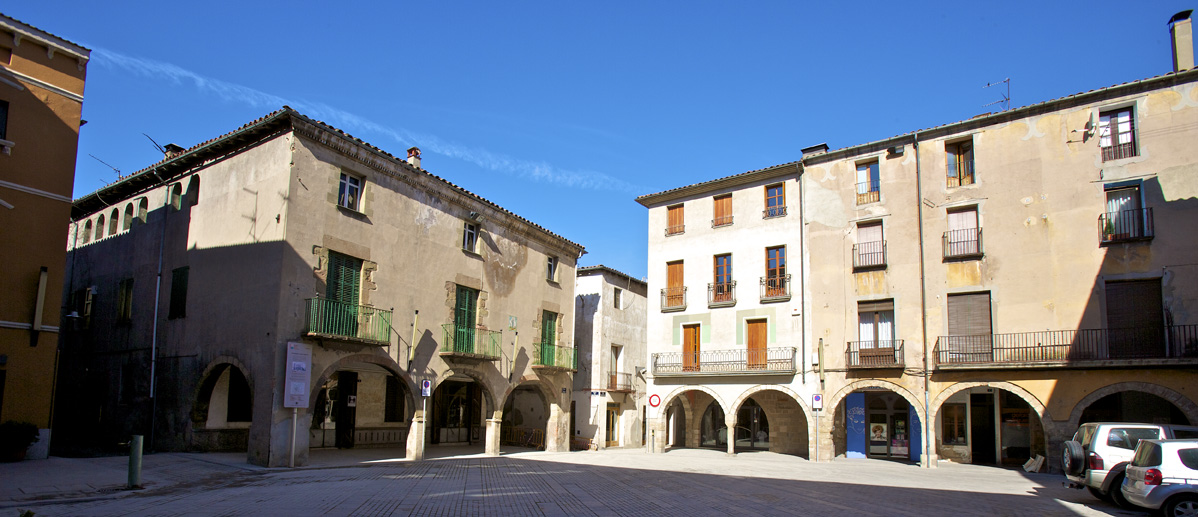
pixel 118 171
pixel 156 146
pixel 1006 99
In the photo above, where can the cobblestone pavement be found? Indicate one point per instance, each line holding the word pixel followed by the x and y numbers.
pixel 614 482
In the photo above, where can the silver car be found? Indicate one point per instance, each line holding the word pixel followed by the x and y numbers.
pixel 1163 475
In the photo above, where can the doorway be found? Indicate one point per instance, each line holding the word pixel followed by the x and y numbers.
pixel 611 436
pixel 981 428
pixel 888 429
pixel 457 413
pixel 752 427
pixel 690 348
pixel 757 336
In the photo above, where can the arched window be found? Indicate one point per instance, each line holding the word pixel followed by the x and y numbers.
pixel 193 191
pixel 143 209
pixel 87 231
pixel 128 222
pixel 100 227
pixel 177 196
pixel 114 221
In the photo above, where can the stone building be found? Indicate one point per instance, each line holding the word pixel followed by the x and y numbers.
pixel 197 277
pixel 608 408
pixel 41 99
pixel 970 292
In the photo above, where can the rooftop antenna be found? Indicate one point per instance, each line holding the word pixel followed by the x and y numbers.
pixel 1006 99
pixel 118 171
pixel 156 146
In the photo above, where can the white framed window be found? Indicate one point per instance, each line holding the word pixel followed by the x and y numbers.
pixel 551 269
pixel 1116 134
pixel 349 194
pixel 470 237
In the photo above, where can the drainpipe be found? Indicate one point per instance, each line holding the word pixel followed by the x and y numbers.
pixel 166 200
pixel 923 313
pixel 802 278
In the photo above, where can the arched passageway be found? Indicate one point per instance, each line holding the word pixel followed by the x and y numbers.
pixel 223 410
pixel 1133 406
pixel 877 423
pixel 525 420
pixel 360 405
pixel 988 425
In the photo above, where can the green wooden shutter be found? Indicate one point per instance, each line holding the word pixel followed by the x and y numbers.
pixel 344 278
pixel 464 319
pixel 548 337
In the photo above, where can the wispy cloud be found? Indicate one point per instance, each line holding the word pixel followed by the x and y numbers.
pixel 533 170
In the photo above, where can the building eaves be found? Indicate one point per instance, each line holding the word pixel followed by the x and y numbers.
pixel 61 44
pixel 602 268
pixel 261 128
pixel 988 119
pixel 648 200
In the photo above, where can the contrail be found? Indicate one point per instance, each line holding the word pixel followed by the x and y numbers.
pixel 528 169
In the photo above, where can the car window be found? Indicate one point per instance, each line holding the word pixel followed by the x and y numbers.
pixel 1188 434
pixel 1083 435
pixel 1147 455
pixel 1127 438
pixel 1189 458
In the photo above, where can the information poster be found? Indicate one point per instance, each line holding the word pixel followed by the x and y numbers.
pixel 299 375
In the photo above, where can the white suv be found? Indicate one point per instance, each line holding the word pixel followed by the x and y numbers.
pixel 1163 475
pixel 1098 454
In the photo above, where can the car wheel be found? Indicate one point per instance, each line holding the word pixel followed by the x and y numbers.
pixel 1097 492
pixel 1073 457
pixel 1184 506
pixel 1117 493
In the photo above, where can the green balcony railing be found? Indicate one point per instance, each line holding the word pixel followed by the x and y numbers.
pixel 551 356
pixel 470 341
pixel 339 320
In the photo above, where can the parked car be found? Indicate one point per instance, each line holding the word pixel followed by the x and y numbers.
pixel 1097 456
pixel 1163 475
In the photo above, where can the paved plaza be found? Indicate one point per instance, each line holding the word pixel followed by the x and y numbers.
pixel 614 482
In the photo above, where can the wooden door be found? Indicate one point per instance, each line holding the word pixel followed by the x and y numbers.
pixel 612 435
pixel 690 348
pixel 756 331
pixel 675 297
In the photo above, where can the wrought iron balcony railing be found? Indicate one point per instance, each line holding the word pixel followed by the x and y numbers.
pixel 773 211
pixel 621 382
pixel 470 342
pixel 963 243
pixel 673 299
pixel 874 354
pixel 1125 225
pixel 546 355
pixel 869 255
pixel 722 294
pixel 723 220
pixel 869 192
pixel 1052 347
pixel 1120 151
pixel 675 229
pixel 347 321
pixel 762 361
pixel 775 288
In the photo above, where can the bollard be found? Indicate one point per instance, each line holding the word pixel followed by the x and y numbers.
pixel 135 462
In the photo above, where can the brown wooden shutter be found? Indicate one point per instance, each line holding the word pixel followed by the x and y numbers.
pixel 723 208
pixel 674 274
pixel 675 216
pixel 969 314
pixel 1134 304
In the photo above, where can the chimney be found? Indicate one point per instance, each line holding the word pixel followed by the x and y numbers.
pixel 173 150
pixel 1182 34
pixel 814 150
pixel 414 157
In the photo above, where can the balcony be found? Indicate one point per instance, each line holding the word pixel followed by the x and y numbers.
pixel 1074 348
pixel 675 229
pixel 773 211
pixel 1119 151
pixel 470 343
pixel 775 288
pixel 869 192
pixel 723 220
pixel 721 294
pixel 619 382
pixel 874 354
pixel 869 255
pixel 767 361
pixel 963 244
pixel 552 357
pixel 1125 226
pixel 363 324
pixel 673 299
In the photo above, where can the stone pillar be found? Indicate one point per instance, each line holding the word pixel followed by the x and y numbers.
pixel 827 448
pixel 493 429
pixel 930 457
pixel 659 434
pixel 416 438
pixel 730 421
pixel 556 437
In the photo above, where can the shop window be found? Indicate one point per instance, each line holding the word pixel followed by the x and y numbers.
pixel 952 424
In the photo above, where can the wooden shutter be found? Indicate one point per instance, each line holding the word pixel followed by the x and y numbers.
pixel 344 278
pixel 1134 304
pixel 969 314
pixel 674 215
pixel 690 348
pixel 757 336
pixel 723 210
pixel 674 274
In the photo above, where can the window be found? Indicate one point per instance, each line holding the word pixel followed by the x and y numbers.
pixel 83 307
pixel 776 279
pixel 124 307
pixel 673 297
pixel 470 237
pixel 969 331
pixel 868 186
pixel 723 211
pixel 960 163
pixel 617 298
pixel 551 269
pixel 1124 217
pixel 875 324
pixel 350 192
pixel 393 403
pixel 100 227
pixel 465 319
pixel 721 289
pixel 128 221
pixel 1135 319
pixel 615 359
pixel 344 279
pixel 775 201
pixel 178 307
pixel 177 196
pixel 193 191
pixel 674 223
pixel 240 408
pixel 964 237
pixel 114 221
pixel 1116 134
pixel 143 209
pixel 87 231
pixel 548 349
pixel 952 424
pixel 870 250
pixel 3 120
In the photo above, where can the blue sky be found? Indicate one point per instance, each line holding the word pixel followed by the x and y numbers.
pixel 564 112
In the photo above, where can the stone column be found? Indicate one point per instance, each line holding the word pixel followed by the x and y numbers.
pixel 658 436
pixel 416 440
pixel 827 448
pixel 556 437
pixel 493 429
pixel 730 421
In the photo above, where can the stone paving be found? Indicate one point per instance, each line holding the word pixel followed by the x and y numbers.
pixel 613 482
